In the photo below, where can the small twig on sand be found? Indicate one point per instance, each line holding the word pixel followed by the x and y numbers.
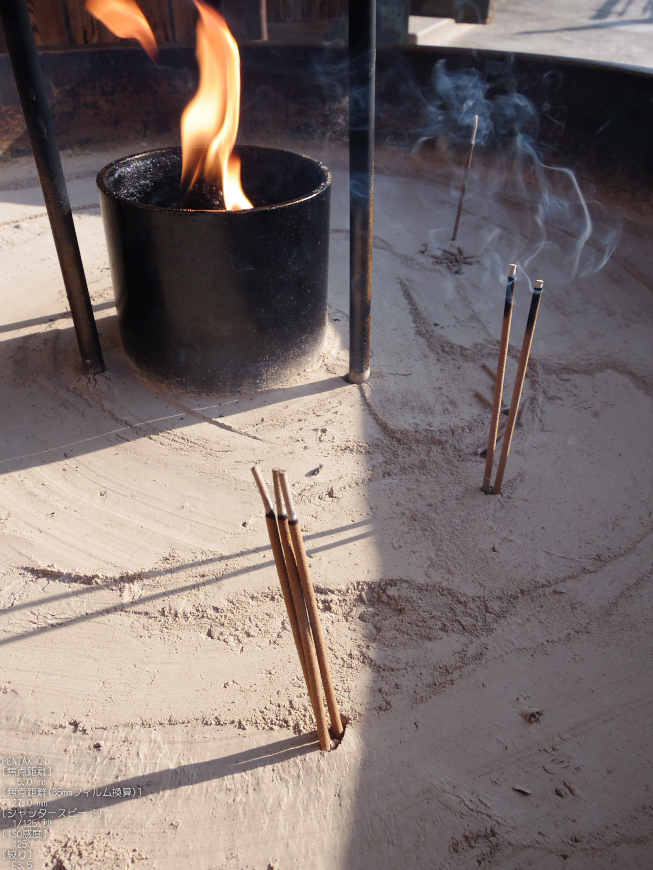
pixel 483 398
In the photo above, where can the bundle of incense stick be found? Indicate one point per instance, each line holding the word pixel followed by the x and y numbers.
pixel 500 375
pixel 287 544
pixel 519 383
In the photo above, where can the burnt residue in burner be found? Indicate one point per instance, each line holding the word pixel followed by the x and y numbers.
pixel 204 194
pixel 269 177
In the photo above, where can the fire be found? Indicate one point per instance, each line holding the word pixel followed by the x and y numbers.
pixel 123 18
pixel 209 124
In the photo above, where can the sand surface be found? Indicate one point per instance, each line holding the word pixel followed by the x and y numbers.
pixel 617 31
pixel 146 657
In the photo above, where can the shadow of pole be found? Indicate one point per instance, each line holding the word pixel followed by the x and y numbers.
pixel 27 417
pixel 156 596
pixel 603 25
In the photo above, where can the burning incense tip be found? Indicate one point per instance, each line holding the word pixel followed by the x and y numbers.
pixel 475 131
pixel 539 284
pixel 512 271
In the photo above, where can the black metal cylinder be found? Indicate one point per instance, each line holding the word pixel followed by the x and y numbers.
pixel 29 81
pixel 219 301
pixel 362 66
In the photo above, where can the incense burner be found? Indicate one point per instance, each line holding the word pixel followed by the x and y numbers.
pixel 211 300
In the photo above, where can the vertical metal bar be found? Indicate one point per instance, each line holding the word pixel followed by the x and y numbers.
pixel 173 24
pixel 31 89
pixel 362 66
pixel 66 22
pixel 263 16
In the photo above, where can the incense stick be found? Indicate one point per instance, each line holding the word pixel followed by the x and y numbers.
pixel 501 373
pixel 304 628
pixel 311 606
pixel 282 571
pixel 519 384
pixel 464 184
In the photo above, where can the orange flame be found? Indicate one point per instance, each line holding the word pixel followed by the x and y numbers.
pixel 209 124
pixel 123 18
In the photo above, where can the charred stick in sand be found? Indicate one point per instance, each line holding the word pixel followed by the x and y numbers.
pixel 484 398
pixel 482 451
pixel 464 184
pixel 520 412
pixel 279 561
pixel 312 668
pixel 488 402
pixel 501 373
pixel 519 384
pixel 311 606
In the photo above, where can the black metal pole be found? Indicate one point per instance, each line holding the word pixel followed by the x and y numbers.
pixel 362 64
pixel 29 81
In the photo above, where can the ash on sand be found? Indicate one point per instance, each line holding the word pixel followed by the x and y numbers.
pixel 155 647
pixel 80 853
pixel 454 258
